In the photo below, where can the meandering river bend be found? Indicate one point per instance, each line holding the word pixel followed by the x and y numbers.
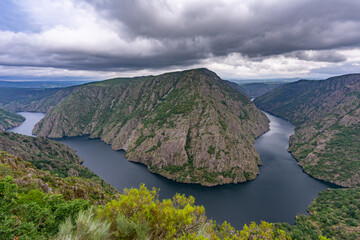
pixel 278 194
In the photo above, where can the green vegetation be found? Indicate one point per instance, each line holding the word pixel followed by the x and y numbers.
pixel 152 117
pixel 24 95
pixel 177 102
pixel 28 211
pixel 335 213
pixel 32 99
pixel 326 115
pixel 27 175
pixel 211 150
pixel 340 160
pixel 9 119
pixel 49 155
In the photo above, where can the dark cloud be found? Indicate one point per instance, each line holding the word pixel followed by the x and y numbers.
pixel 183 33
pixel 253 28
pixel 318 56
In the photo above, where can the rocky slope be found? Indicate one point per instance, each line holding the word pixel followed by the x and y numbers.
pixel 327 118
pixel 25 174
pixel 9 119
pixel 49 155
pixel 189 126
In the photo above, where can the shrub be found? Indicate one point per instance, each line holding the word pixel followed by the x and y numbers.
pixel 166 219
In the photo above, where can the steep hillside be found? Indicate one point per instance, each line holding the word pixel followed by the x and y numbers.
pixel 327 118
pixel 25 174
pixel 9 119
pixel 32 99
pixel 49 155
pixel 189 126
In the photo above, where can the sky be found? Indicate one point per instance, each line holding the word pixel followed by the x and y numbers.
pixel 237 39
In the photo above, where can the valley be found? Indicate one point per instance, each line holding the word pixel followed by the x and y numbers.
pixel 278 194
pixel 280 183
pixel 179 120
pixel 327 116
pixel 188 126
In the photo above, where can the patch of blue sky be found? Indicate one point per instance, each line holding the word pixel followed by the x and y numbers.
pixel 14 19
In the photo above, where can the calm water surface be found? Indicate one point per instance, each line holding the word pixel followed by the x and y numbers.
pixel 27 126
pixel 281 191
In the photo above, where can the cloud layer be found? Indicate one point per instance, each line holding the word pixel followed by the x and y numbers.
pixel 238 39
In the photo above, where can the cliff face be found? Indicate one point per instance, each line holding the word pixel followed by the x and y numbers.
pixel 189 126
pixel 327 118
pixel 9 119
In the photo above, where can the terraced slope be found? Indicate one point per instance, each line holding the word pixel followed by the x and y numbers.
pixel 189 126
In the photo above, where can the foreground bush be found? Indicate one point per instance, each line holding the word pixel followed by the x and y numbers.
pixel 139 212
pixel 27 212
pixel 31 214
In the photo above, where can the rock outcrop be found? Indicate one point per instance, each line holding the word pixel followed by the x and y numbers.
pixel 189 126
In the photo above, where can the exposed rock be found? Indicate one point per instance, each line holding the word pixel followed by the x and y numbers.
pixel 189 126
pixel 327 118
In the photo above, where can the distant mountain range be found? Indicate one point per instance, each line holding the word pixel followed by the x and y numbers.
pixel 39 84
pixel 264 80
pixel 253 90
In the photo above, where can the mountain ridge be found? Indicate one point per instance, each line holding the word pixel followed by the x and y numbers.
pixel 326 114
pixel 173 123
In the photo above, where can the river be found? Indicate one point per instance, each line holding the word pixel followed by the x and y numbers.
pixel 278 194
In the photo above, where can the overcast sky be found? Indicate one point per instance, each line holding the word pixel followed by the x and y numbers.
pixel 240 39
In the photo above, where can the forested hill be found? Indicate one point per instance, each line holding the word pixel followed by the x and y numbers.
pixel 32 99
pixel 9 119
pixel 327 118
pixel 189 126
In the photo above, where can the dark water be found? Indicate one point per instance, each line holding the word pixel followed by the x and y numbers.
pixel 281 191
